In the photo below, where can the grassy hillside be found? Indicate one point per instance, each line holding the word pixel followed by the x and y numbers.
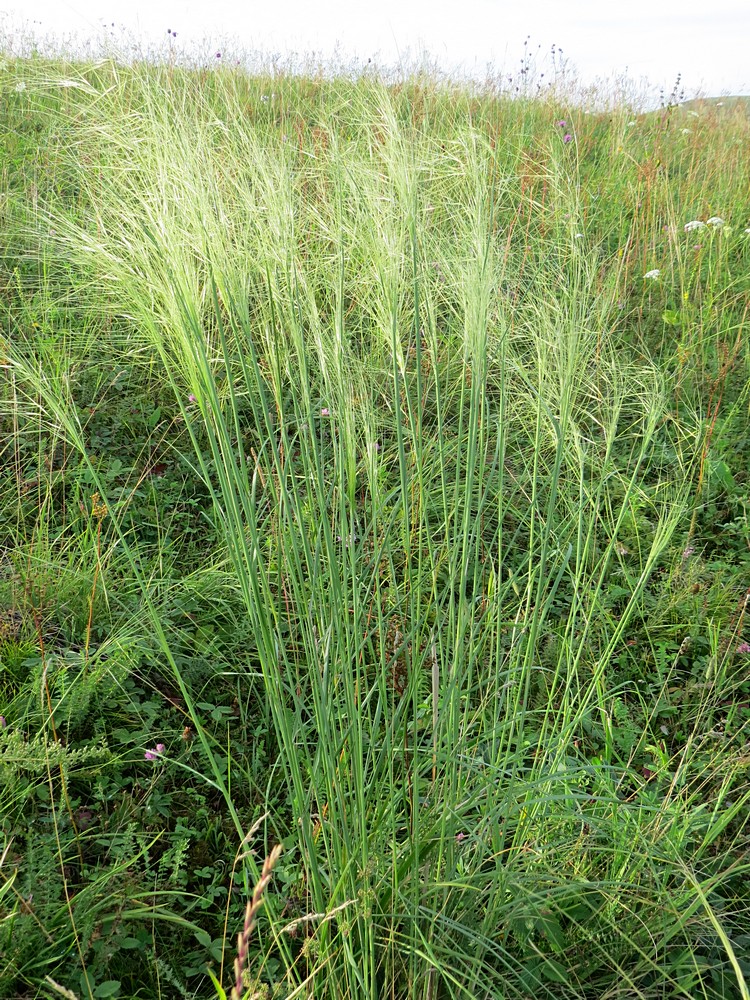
pixel 374 502
pixel 720 105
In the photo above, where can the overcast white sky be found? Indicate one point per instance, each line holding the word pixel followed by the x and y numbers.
pixel 708 43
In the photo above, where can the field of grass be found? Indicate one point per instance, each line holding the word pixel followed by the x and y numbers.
pixel 375 565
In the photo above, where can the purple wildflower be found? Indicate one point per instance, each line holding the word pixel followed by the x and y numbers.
pixel 191 398
pixel 567 138
pixel 562 123
pixel 84 818
pixel 154 753
pixel 325 412
pixel 744 647
pixel 3 723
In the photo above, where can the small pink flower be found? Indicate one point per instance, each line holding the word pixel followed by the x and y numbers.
pixel 460 836
pixel 191 398
pixel 567 138
pixel 744 648
pixel 325 412
pixel 154 753
pixel 3 723
pixel 562 123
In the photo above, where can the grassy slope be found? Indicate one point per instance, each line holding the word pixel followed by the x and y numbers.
pixel 731 104
pixel 425 539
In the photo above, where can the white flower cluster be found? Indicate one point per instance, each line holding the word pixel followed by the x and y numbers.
pixel 653 275
pixel 715 220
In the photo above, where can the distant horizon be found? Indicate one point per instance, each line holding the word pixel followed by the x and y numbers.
pixel 649 48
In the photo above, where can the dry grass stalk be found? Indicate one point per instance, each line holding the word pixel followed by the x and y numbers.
pixel 69 994
pixel 251 912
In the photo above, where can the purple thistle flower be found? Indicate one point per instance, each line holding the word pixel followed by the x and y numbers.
pixel 744 647
pixel 567 138
pixel 562 123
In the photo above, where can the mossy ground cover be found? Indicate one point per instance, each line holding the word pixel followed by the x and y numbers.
pixel 374 485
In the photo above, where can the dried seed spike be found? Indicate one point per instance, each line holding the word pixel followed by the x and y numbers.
pixel 251 912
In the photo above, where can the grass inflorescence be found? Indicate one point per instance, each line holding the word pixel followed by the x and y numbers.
pixel 374 476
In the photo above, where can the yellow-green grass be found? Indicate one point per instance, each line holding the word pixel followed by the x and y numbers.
pixel 436 405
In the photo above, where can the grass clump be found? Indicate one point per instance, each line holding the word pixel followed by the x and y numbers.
pixel 373 479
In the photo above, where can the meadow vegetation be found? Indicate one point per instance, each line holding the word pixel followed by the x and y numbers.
pixel 375 554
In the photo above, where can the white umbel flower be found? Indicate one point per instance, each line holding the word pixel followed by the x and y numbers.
pixel 715 220
pixel 695 224
pixel 653 275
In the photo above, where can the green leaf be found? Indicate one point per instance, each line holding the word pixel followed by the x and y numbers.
pixel 554 971
pixel 671 317
pixel 220 992
pixel 130 943
pixel 550 927
pixel 217 949
pixel 110 988
pixel 724 476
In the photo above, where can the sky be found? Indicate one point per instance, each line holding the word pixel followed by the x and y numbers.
pixel 653 40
